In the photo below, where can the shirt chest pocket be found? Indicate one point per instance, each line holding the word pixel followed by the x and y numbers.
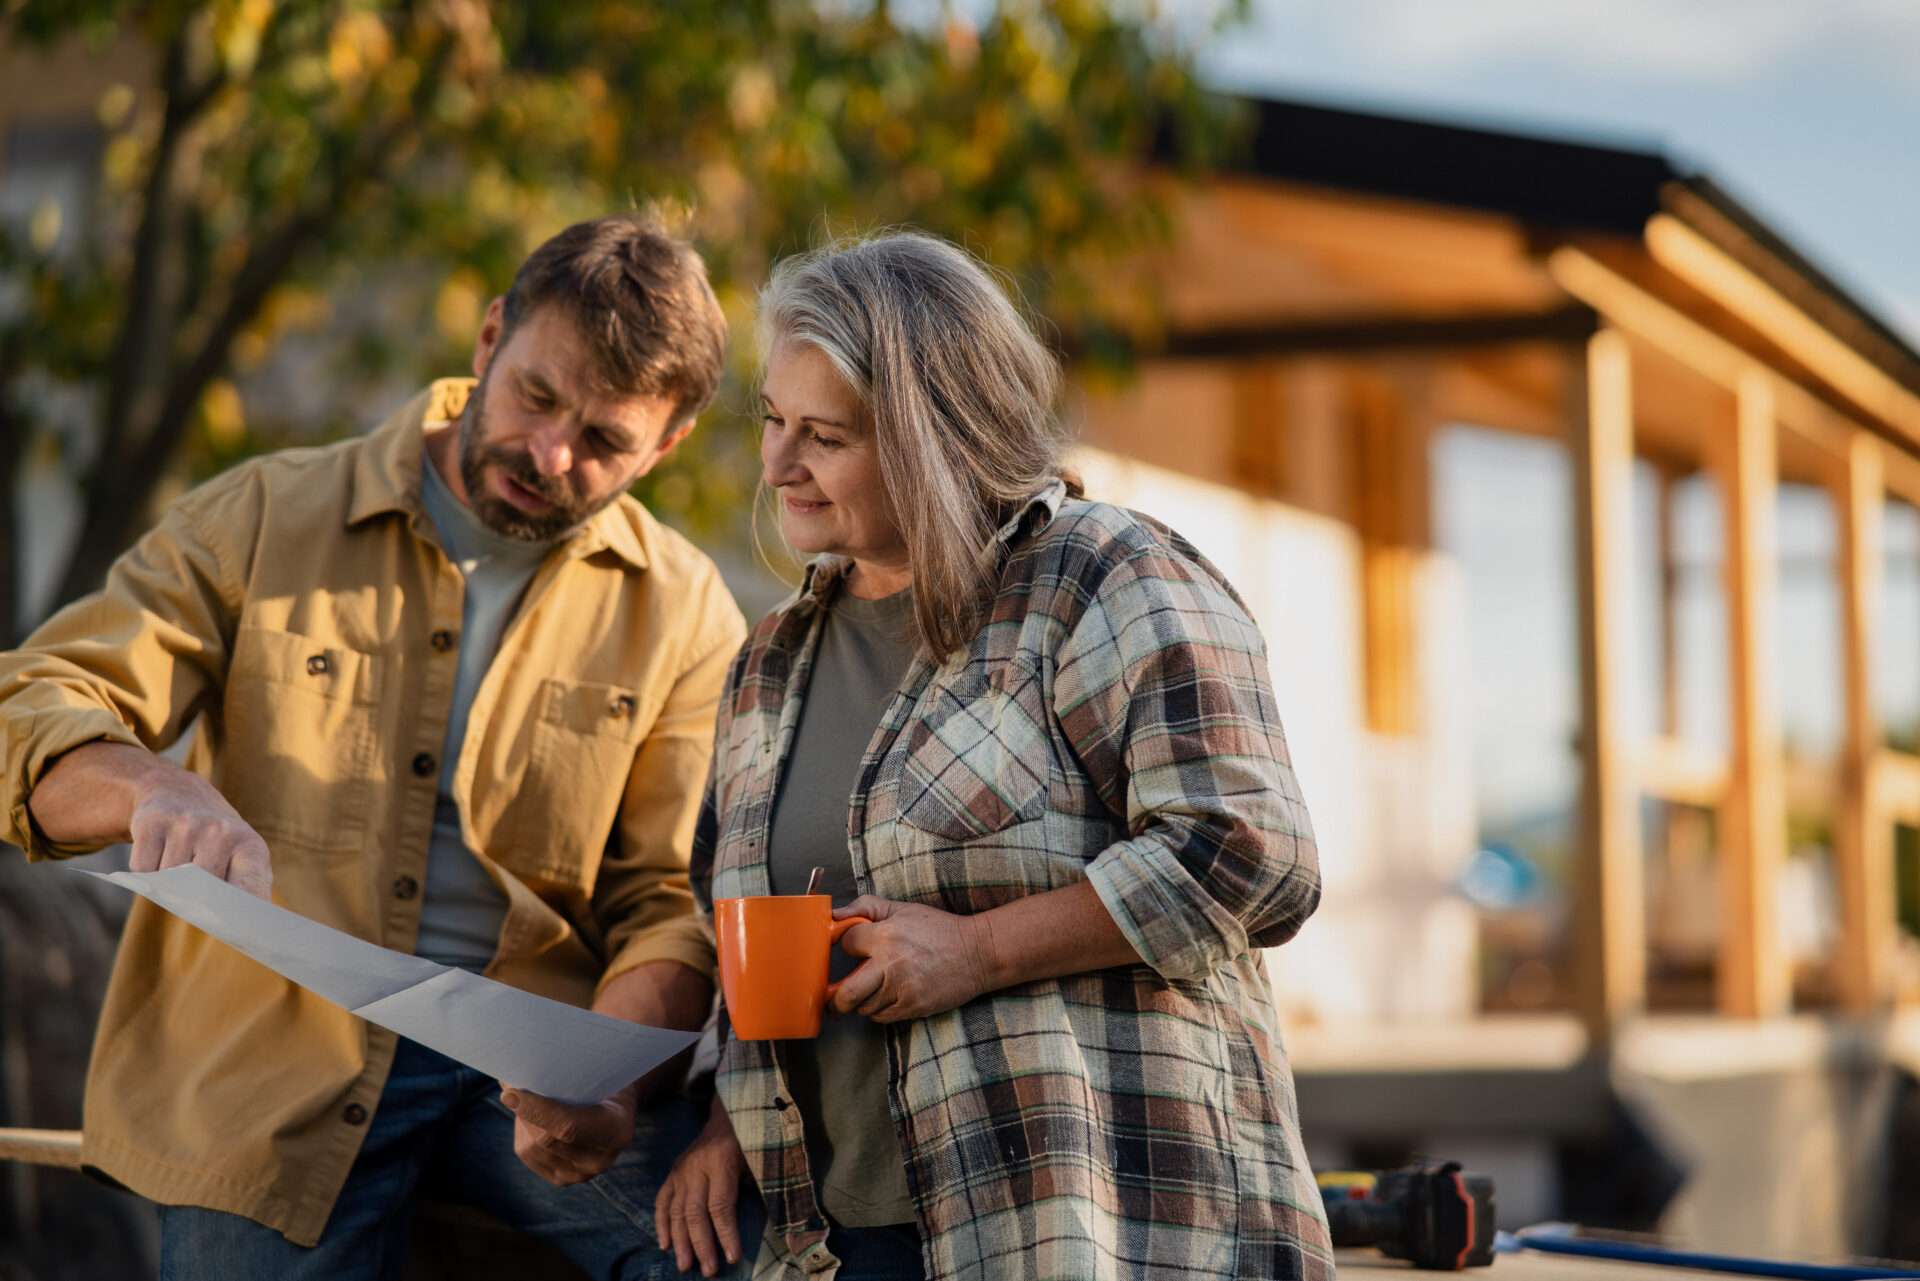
pixel 300 725
pixel 583 738
pixel 978 758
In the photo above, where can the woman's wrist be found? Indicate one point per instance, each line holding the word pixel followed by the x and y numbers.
pixel 983 956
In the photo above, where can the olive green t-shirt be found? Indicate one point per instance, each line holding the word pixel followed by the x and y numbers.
pixel 839 1080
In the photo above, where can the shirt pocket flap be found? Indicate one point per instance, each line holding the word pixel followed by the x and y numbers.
pixel 587 707
pixel 288 658
pixel 978 760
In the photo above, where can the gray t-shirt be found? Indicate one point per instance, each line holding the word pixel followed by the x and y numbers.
pixel 839 1080
pixel 461 914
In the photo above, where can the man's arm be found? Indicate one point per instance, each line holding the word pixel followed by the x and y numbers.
pixel 127 668
pixel 103 792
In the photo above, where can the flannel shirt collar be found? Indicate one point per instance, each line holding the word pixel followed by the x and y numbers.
pixel 824 574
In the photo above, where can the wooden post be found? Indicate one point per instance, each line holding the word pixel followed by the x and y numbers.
pixel 1609 916
pixel 1754 981
pixel 1391 503
pixel 1863 832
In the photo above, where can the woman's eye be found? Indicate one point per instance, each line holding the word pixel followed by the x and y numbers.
pixel 825 442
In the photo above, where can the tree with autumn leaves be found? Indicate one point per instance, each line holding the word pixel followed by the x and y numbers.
pixel 281 156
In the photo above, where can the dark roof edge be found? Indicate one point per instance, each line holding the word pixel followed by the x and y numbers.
pixel 1553 185
pixel 1710 210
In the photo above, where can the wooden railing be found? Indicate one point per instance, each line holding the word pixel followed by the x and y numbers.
pixel 59 1148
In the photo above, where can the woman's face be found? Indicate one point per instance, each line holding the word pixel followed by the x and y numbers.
pixel 819 456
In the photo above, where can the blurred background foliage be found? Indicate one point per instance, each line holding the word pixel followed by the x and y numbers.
pixel 303 206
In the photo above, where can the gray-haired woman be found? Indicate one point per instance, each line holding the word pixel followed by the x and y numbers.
pixel 1034 739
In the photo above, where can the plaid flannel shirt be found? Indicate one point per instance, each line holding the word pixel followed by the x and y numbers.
pixel 1112 721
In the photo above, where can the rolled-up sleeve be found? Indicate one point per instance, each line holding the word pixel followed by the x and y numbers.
pixel 133 663
pixel 1163 692
pixel 642 898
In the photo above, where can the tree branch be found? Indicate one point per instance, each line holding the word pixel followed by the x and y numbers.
pixel 141 322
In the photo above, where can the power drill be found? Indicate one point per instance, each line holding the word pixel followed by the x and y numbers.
pixel 1433 1216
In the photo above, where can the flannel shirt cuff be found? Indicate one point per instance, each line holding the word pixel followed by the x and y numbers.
pixel 1171 921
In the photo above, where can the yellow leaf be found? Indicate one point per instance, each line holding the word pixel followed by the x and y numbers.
pixel 222 412
pixel 115 105
pixel 43 232
pixel 459 305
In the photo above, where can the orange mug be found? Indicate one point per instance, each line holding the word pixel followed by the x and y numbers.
pixel 774 950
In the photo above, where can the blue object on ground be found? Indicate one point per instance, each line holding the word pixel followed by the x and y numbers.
pixel 1560 1238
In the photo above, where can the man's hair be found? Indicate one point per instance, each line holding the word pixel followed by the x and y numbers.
pixel 641 299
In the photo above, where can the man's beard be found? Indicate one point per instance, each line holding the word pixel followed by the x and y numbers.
pixel 569 510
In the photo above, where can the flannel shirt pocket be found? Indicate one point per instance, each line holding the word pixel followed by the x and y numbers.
pixel 978 760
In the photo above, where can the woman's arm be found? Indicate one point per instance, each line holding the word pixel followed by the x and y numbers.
pixel 922 961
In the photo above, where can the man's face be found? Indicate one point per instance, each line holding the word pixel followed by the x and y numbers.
pixel 541 450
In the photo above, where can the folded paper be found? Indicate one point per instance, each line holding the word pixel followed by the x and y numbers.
pixel 523 1040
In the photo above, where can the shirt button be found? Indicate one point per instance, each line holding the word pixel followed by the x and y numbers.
pixel 442 641
pixel 424 764
pixel 781 1104
pixel 405 887
pixel 354 1115
pixel 318 665
pixel 621 706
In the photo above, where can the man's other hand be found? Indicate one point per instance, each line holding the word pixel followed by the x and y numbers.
pixel 564 1143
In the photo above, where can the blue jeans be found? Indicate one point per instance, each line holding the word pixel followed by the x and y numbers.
pixel 441 1132
pixel 877 1254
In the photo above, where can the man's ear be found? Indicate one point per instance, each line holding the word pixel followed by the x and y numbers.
pixel 492 325
pixel 667 442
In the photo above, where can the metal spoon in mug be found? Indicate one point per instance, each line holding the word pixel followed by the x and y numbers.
pixel 813 880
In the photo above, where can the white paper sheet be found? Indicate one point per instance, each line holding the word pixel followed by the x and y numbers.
pixel 518 1038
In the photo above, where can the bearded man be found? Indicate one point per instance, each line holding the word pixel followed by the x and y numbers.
pixel 454 691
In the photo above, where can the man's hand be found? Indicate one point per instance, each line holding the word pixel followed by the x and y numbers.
pixel 695 1212
pixel 567 1144
pixel 102 792
pixel 918 961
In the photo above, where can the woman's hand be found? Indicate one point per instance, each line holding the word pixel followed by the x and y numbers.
pixel 695 1212
pixel 917 960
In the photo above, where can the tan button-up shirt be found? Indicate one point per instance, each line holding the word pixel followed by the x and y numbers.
pixel 299 607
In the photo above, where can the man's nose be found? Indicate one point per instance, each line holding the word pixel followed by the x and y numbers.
pixel 552 452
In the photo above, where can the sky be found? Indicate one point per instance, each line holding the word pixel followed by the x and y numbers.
pixel 1808 111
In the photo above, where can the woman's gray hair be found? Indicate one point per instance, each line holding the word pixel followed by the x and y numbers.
pixel 960 395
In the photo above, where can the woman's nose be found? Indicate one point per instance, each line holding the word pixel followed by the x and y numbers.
pixel 778 466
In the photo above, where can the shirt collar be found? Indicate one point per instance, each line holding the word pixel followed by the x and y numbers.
pixel 386 476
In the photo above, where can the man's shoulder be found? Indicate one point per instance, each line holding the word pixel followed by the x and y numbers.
pixel 311 480
pixel 680 570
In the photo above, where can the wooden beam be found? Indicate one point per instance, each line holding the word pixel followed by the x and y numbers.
pixel 1682 773
pixel 1610 929
pixel 1863 836
pixel 1391 501
pixel 1626 304
pixel 1897 787
pixel 1723 278
pixel 1387 332
pixel 1753 976
pixel 57 1148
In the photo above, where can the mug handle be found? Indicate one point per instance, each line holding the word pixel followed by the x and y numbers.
pixel 834 930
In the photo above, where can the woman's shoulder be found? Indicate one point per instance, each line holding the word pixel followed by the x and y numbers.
pixel 1087 540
